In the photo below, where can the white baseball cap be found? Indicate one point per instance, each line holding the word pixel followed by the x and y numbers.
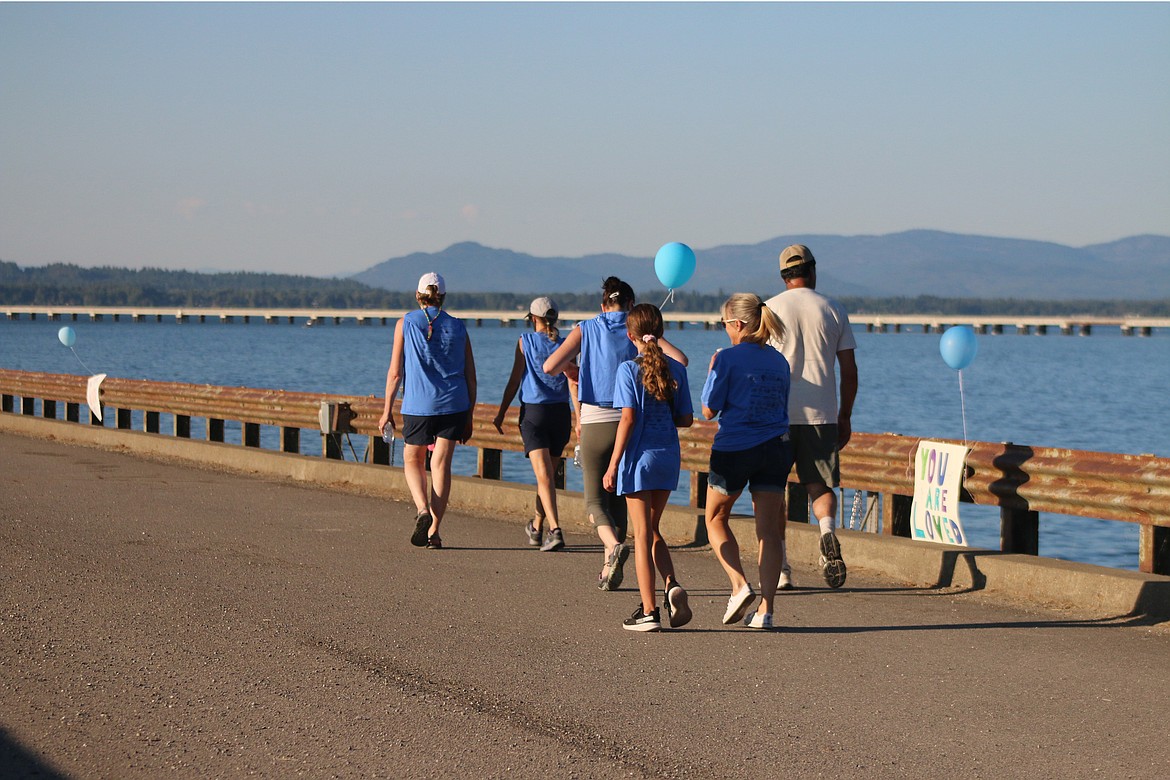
pixel 542 307
pixel 432 279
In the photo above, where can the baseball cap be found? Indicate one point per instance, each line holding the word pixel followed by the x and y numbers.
pixel 797 254
pixel 432 279
pixel 542 307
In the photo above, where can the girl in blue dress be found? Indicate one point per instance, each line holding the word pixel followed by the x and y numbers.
pixel 655 400
pixel 747 388
pixel 546 418
pixel 432 356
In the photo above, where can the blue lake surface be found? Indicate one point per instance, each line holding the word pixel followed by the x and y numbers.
pixel 1103 392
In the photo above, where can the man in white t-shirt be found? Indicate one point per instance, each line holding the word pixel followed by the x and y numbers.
pixel 817 337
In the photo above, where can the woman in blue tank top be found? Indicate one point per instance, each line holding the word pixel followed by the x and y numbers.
pixel 545 417
pixel 603 345
pixel 432 353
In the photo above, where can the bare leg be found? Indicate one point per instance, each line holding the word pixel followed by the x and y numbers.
pixel 824 500
pixel 722 541
pixel 639 507
pixel 543 469
pixel 770 533
pixel 414 465
pixel 660 550
pixel 440 481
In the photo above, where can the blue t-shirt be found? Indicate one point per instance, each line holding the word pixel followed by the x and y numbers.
pixel 748 386
pixel 604 347
pixel 651 459
pixel 537 387
pixel 434 380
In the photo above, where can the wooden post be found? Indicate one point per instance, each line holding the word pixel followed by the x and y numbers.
pixel 896 513
pixel 150 422
pixel 251 434
pixel 290 440
pixel 1019 531
pixel 49 409
pixel 214 429
pixel 182 426
pixel 331 446
pixel 73 412
pixel 490 463
pixel 1154 549
pixel 125 420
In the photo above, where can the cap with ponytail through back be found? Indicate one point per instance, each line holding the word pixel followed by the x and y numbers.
pixel 761 324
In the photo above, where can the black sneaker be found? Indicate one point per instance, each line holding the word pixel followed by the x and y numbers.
pixel 553 540
pixel 617 560
pixel 677 610
pixel 640 621
pixel 422 524
pixel 434 542
pixel 832 565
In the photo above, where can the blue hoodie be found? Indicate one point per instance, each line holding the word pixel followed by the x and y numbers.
pixel 604 347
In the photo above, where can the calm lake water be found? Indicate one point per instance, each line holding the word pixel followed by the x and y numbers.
pixel 1099 392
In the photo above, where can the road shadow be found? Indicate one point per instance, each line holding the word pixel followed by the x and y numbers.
pixel 17 762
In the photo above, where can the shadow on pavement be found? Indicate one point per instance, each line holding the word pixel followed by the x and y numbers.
pixel 17 762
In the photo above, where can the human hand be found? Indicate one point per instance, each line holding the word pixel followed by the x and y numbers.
pixel 609 481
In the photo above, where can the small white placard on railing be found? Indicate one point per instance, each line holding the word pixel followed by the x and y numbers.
pixel 938 473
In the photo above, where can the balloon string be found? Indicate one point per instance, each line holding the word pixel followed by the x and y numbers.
pixel 963 405
pixel 82 362
pixel 669 297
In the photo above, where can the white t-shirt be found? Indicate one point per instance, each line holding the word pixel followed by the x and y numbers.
pixel 816 328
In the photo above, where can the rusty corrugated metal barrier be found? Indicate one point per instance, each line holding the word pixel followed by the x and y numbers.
pixel 1015 478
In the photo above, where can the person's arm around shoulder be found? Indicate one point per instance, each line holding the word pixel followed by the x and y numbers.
pixel 673 351
pixel 848 365
pixel 512 386
pixel 393 378
pixel 559 360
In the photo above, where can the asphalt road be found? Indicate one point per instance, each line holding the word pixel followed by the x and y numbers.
pixel 159 620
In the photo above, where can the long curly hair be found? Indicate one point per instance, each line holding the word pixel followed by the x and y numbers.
pixel 644 323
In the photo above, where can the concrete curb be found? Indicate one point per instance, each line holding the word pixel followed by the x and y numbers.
pixel 1045 582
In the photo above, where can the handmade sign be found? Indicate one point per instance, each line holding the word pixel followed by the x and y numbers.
pixel 938 474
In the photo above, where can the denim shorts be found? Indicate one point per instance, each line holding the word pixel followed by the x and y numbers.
pixel 765 467
pixel 422 430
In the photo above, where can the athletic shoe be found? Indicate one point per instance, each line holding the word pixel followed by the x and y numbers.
pixel 533 534
pixel 639 621
pixel 738 604
pixel 785 582
pixel 760 620
pixel 422 524
pixel 553 540
pixel 832 566
pixel 434 542
pixel 617 559
pixel 677 609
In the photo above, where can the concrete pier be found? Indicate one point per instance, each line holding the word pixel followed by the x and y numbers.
pixel 161 619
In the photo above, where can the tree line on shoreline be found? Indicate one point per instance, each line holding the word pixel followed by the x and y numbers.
pixel 70 285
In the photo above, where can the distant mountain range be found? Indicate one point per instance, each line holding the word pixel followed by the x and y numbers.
pixel 916 262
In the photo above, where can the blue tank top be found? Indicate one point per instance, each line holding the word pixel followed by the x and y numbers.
pixel 538 387
pixel 433 368
pixel 604 347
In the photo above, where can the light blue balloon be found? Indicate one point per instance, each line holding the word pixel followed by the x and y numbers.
pixel 66 336
pixel 674 264
pixel 958 346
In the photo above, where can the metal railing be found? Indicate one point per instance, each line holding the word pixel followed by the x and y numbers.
pixel 1021 481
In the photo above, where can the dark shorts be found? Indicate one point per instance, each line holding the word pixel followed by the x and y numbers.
pixel 545 427
pixel 422 431
pixel 814 450
pixel 765 467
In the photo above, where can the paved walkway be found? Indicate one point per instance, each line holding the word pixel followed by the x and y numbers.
pixel 157 619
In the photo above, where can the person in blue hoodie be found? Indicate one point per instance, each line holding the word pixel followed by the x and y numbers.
pixel 432 355
pixel 602 344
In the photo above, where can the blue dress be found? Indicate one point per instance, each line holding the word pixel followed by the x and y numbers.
pixel 651 459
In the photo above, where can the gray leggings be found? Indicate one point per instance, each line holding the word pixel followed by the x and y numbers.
pixel 607 508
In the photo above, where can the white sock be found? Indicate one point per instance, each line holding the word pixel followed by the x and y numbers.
pixel 826 525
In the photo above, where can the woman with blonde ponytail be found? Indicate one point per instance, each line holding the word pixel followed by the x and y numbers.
pixel 654 398
pixel 747 388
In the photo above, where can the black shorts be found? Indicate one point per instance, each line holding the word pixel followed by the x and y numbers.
pixel 764 466
pixel 422 431
pixel 545 427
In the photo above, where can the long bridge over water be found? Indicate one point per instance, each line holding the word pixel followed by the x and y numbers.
pixel 1082 325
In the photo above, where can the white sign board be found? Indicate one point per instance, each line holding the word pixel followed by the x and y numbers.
pixel 938 473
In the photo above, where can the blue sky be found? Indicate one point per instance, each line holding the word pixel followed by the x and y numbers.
pixel 325 138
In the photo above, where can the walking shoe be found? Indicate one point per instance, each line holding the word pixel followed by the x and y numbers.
pixel 760 620
pixel 832 566
pixel 434 542
pixel 422 524
pixel 677 610
pixel 533 534
pixel 640 621
pixel 785 582
pixel 738 604
pixel 617 559
pixel 553 540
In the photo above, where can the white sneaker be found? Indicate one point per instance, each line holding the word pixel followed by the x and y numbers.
pixel 760 620
pixel 785 582
pixel 738 604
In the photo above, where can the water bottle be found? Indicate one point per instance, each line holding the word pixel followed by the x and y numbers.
pixel 577 456
pixel 387 433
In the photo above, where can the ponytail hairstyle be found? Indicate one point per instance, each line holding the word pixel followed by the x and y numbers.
pixel 550 325
pixel 760 322
pixel 615 291
pixel 644 323
pixel 432 297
